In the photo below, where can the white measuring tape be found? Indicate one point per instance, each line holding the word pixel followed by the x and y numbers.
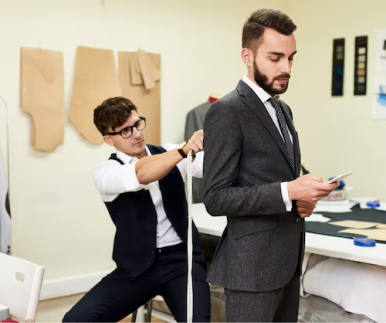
pixel 189 298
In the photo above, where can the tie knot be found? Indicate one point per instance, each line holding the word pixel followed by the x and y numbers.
pixel 274 98
pixel 275 103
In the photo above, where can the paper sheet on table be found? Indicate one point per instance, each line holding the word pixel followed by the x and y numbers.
pixel 316 217
pixel 377 234
pixel 355 224
pixel 334 206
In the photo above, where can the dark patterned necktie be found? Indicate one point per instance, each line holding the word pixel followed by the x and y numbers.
pixel 284 129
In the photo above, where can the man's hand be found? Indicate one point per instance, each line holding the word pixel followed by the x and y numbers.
pixel 305 209
pixel 309 188
pixel 195 143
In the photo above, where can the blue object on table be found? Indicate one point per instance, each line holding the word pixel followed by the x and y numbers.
pixel 341 184
pixel 373 204
pixel 364 242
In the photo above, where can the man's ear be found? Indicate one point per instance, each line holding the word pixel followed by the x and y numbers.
pixel 247 57
pixel 108 140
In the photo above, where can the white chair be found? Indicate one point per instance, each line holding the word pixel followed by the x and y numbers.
pixel 20 285
pixel 150 312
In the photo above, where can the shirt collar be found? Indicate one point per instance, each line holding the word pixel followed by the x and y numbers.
pixel 263 95
pixel 127 159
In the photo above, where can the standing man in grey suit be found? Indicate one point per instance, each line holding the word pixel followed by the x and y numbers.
pixel 251 175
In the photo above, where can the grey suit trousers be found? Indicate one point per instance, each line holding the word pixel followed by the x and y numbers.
pixel 281 305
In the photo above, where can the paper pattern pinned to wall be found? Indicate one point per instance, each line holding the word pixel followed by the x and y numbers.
pixel 96 80
pixel 140 79
pixel 42 96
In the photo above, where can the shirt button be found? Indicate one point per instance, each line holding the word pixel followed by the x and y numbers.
pixel 298 220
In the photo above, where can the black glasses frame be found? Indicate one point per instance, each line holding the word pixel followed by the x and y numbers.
pixel 127 128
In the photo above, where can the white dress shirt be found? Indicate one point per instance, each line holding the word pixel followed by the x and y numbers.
pixel 112 179
pixel 264 97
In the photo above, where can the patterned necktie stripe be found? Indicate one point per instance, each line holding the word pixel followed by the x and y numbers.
pixel 284 130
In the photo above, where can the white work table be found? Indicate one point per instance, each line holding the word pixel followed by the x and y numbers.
pixel 315 243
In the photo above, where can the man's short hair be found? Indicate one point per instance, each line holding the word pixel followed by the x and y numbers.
pixel 265 18
pixel 113 113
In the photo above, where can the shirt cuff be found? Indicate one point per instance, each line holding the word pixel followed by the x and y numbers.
pixel 284 194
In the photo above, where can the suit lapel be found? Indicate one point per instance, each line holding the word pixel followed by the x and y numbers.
pixel 254 103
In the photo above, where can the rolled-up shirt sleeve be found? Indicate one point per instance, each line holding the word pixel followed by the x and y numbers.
pixel 112 178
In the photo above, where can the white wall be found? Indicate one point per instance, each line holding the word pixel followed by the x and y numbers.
pixel 337 134
pixel 59 220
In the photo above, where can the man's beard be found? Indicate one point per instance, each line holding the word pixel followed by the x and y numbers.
pixel 262 80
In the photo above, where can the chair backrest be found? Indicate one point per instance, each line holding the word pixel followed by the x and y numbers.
pixel 20 285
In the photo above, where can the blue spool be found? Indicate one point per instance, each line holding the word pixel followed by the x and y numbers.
pixel 373 204
pixel 364 242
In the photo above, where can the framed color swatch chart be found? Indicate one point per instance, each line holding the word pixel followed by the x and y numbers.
pixel 360 67
pixel 337 67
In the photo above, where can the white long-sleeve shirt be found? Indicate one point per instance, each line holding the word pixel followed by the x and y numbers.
pixel 111 179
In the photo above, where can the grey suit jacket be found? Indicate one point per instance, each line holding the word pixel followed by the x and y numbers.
pixel 244 164
pixel 195 121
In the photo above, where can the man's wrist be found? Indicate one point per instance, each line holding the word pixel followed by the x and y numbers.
pixel 285 196
pixel 290 190
pixel 181 150
pixel 186 151
pixel 185 148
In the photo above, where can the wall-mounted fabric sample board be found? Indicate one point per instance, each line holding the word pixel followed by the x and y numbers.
pixel 95 80
pixel 139 76
pixel 42 96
